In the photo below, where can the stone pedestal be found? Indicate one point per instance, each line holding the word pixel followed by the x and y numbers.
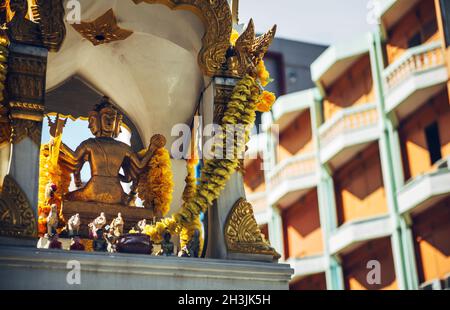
pixel 28 268
pixel 90 210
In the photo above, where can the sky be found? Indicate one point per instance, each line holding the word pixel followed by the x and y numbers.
pixel 315 21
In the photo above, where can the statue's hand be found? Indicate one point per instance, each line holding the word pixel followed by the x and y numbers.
pixel 157 141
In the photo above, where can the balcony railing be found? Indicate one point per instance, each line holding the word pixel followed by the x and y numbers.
pixel 414 60
pixel 294 167
pixel 348 120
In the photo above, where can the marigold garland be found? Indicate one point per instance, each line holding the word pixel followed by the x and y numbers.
pixel 263 74
pixel 245 100
pixel 189 192
pixel 51 173
pixel 265 102
pixel 161 181
pixel 216 172
pixel 155 187
pixel 234 37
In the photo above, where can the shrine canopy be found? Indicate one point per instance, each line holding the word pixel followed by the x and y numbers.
pixel 142 56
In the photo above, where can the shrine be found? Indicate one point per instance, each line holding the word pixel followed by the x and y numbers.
pixel 151 212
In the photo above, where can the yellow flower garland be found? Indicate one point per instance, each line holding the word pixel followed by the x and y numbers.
pixel 216 172
pixel 234 37
pixel 156 186
pixel 245 100
pixel 161 181
pixel 263 74
pixel 266 101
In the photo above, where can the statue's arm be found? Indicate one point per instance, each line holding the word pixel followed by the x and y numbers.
pixel 139 164
pixel 156 142
pixel 80 157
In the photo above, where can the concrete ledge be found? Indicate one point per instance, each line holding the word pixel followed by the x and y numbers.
pixel 27 268
pixel 292 185
pixel 352 233
pixel 288 107
pixel 308 265
pixel 423 190
pixel 338 58
pixel 347 140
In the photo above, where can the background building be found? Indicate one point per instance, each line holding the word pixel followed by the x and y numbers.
pixel 359 166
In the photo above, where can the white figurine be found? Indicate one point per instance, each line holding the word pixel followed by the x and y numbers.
pixel 97 224
pixel 73 224
pixel 52 220
pixel 141 225
pixel 117 225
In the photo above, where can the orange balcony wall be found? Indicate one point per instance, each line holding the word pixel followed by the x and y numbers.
pixel 254 177
pixel 354 87
pixel 355 266
pixel 313 282
pixel 296 138
pixel 418 26
pixel 431 231
pixel 359 187
pixel 301 225
pixel 416 150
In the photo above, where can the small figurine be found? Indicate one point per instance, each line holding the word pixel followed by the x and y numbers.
pixel 192 248
pixel 110 239
pixel 141 225
pixel 52 220
pixel 54 243
pixel 76 244
pixel 97 225
pixel 99 243
pixel 167 246
pixel 73 225
pixel 193 245
pixel 117 225
pixel 184 252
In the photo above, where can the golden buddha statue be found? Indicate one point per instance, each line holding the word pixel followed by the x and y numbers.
pixel 106 157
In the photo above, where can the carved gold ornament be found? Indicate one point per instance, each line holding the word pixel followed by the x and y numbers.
pixel 5 126
pixel 26 128
pixel 42 26
pixel 217 19
pixel 248 51
pixel 17 218
pixel 242 234
pixel 50 15
pixel 103 30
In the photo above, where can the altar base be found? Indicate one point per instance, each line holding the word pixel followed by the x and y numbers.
pixel 90 210
pixel 28 268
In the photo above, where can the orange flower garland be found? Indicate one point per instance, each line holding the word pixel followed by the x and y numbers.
pixel 266 101
pixel 161 181
pixel 263 74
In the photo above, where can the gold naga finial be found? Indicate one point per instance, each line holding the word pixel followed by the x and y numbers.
pixel 56 127
pixel 248 51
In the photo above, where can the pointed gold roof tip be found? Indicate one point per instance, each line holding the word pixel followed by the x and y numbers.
pixel 257 46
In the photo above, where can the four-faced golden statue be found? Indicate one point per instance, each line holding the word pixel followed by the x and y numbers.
pixel 107 158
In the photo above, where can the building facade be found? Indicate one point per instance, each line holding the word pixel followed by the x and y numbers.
pixel 352 185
